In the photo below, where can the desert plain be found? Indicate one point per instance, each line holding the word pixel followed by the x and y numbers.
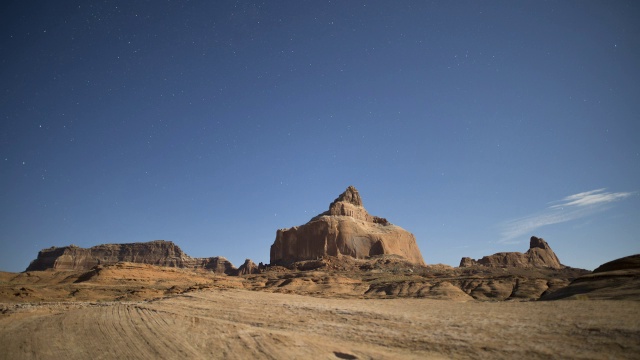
pixel 346 285
pixel 139 311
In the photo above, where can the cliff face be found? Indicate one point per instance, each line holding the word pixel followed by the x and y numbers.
pixel 345 229
pixel 159 252
pixel 538 255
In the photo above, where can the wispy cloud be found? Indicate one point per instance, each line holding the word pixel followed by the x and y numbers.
pixel 569 208
pixel 591 198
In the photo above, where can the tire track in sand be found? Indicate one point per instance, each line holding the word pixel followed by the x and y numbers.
pixel 123 331
pixel 136 332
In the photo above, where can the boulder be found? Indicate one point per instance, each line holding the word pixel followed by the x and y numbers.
pixel 538 255
pixel 158 252
pixel 346 229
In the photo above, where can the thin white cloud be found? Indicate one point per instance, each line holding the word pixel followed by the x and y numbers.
pixel 591 198
pixel 569 208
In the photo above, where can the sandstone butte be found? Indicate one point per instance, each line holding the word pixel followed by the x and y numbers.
pixel 539 255
pixel 159 252
pixel 345 229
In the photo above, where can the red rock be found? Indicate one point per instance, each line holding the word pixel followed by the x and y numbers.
pixel 538 255
pixel 345 229
pixel 249 267
pixel 159 252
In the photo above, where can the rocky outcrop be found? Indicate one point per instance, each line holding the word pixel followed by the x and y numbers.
pixel 392 276
pixel 249 267
pixel 159 252
pixel 217 264
pixel 616 280
pixel 538 255
pixel 467 261
pixel 345 229
pixel 163 253
pixel 626 263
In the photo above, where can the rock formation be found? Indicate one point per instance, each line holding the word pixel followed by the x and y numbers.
pixel 217 264
pixel 392 276
pixel 616 280
pixel 626 263
pixel 159 252
pixel 345 229
pixel 467 261
pixel 538 255
pixel 249 267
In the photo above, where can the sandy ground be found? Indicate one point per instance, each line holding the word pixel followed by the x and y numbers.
pixel 242 324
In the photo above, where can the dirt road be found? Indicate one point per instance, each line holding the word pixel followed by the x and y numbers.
pixel 241 324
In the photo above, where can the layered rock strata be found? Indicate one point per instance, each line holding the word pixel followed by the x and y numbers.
pixel 159 252
pixel 538 255
pixel 616 280
pixel 345 229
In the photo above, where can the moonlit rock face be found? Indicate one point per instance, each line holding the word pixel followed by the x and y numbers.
pixel 345 229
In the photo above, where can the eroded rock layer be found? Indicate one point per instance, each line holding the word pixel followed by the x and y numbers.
pixel 249 267
pixel 616 280
pixel 538 255
pixel 345 229
pixel 159 252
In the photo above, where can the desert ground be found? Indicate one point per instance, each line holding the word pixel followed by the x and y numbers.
pixel 134 311
pixel 241 324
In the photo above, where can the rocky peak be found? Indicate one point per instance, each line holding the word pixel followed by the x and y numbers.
pixel 536 242
pixel 351 196
pixel 349 203
pixel 467 261
pixel 249 267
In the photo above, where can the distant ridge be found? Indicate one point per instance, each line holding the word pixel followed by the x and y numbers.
pixel 538 255
pixel 158 252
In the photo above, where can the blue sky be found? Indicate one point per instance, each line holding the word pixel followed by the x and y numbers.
pixel 474 125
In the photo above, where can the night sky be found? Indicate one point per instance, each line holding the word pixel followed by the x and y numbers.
pixel 473 125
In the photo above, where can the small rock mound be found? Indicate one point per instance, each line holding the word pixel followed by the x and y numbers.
pixel 538 255
pixel 217 264
pixel 249 267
